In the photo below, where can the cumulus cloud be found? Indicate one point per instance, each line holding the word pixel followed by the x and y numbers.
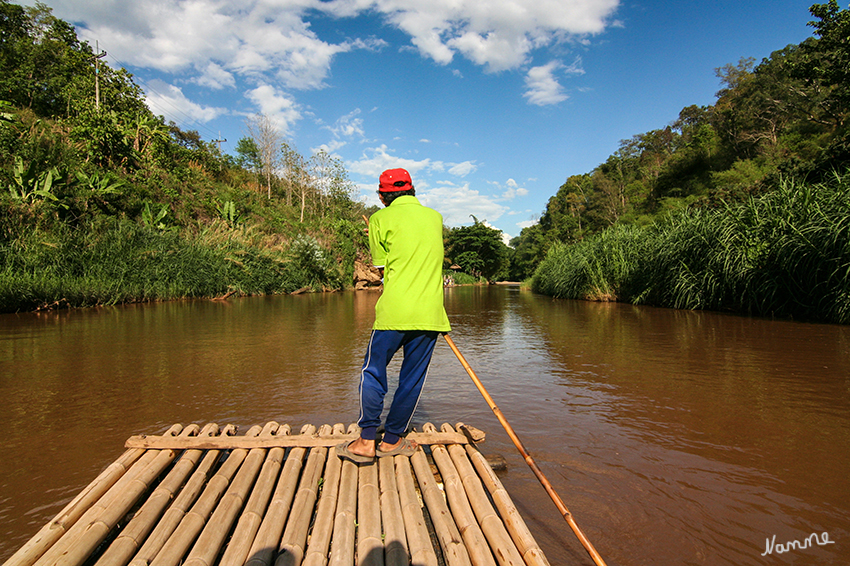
pixel 498 34
pixel 463 169
pixel 375 160
pixel 457 203
pixel 216 77
pixel 257 39
pixel 166 100
pixel 542 87
pixel 513 190
pixel 278 106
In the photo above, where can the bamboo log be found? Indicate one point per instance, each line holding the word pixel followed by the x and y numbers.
pixel 450 539
pixel 267 542
pixel 342 550
pixel 109 515
pixel 302 440
pixel 190 526
pixel 47 536
pixel 178 509
pixel 370 549
pixel 294 541
pixel 503 547
pixel 212 538
pixel 418 540
pixel 133 535
pixel 525 543
pixel 236 552
pixel 476 543
pixel 67 541
pixel 396 552
pixel 317 549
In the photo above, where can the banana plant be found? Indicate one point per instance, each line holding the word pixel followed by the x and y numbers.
pixel 29 184
pixel 155 221
pixel 228 213
pixel 100 186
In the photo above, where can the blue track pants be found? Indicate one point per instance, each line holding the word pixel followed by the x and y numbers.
pixel 418 346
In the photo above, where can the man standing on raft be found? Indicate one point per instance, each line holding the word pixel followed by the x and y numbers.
pixel 406 242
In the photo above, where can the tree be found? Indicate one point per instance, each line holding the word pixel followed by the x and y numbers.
pixel 827 60
pixel 478 250
pixel 268 139
pixel 248 155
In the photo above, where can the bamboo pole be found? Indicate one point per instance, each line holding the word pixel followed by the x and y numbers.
pixel 294 541
pixel 450 539
pixel 418 540
pixel 178 509
pixel 67 541
pixel 109 515
pixel 527 546
pixel 370 548
pixel 562 508
pixel 208 545
pixel 342 550
pixel 317 549
pixel 236 552
pixel 396 552
pixel 47 536
pixel 476 543
pixel 190 526
pixel 266 543
pixel 503 547
pixel 133 535
pixel 291 441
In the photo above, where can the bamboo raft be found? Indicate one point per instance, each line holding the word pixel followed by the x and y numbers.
pixel 206 497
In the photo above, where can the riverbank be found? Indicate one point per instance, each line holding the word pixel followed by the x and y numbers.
pixel 785 255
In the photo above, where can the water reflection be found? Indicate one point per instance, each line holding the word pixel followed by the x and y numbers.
pixel 674 437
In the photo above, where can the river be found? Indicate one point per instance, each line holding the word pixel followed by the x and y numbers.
pixel 674 437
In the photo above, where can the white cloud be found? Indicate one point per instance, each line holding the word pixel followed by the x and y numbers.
pixel 526 224
pixel 498 34
pixel 457 203
pixel 256 39
pixel 375 160
pixel 169 101
pixel 463 169
pixel 216 78
pixel 349 126
pixel 278 106
pixel 543 88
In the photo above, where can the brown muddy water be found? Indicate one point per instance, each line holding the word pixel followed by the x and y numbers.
pixel 673 437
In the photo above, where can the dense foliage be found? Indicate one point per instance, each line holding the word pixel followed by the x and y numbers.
pixel 784 254
pixel 785 118
pixel 104 202
pixel 478 250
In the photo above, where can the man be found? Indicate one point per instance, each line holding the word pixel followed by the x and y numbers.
pixel 406 241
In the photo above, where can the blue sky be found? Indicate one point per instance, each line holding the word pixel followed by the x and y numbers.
pixel 490 104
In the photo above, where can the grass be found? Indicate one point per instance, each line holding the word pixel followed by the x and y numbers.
pixel 118 261
pixel 785 254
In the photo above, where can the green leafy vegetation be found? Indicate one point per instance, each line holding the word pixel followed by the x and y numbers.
pixel 722 208
pixel 102 202
pixel 784 254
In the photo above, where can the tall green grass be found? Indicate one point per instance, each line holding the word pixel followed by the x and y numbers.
pixel 118 261
pixel 785 254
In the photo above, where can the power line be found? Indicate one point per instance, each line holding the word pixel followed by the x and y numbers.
pixel 175 112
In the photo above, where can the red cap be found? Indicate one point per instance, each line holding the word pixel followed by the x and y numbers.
pixel 393 180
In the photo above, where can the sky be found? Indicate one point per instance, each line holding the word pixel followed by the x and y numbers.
pixel 490 104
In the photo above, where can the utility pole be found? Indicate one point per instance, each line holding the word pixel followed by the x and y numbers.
pixel 97 58
pixel 218 141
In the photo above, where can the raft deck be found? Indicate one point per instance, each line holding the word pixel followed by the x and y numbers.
pixel 206 497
